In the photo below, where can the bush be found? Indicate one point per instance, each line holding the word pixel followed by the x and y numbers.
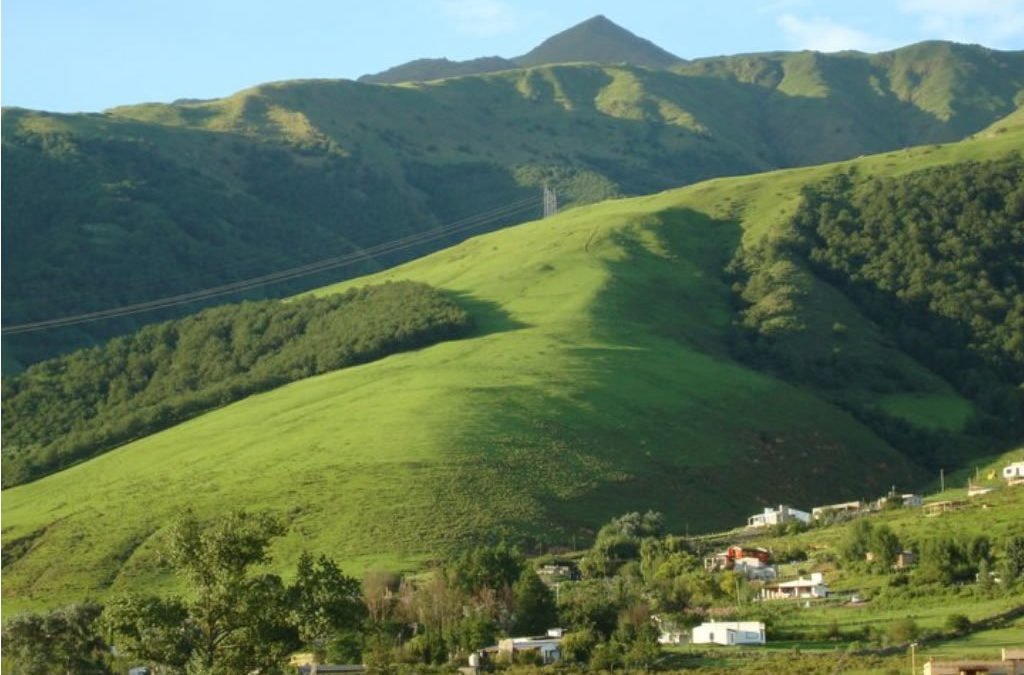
pixel 958 623
pixel 902 630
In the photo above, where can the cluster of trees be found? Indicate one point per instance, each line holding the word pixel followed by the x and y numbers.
pixel 942 560
pixel 75 406
pixel 934 257
pixel 233 620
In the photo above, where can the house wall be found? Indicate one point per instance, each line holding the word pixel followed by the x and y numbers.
pixel 1015 470
pixel 728 633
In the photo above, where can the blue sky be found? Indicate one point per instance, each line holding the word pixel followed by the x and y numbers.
pixel 87 55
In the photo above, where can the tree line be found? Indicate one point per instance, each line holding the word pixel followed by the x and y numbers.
pixel 933 259
pixel 75 406
pixel 936 258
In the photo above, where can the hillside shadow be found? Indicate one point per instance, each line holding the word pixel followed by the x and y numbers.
pixel 488 317
pixel 675 283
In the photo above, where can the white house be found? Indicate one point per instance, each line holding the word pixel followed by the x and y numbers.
pixel 728 633
pixel 1013 471
pixel 783 514
pixel 548 647
pixel 814 587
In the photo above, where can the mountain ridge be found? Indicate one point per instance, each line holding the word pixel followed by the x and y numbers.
pixel 171 198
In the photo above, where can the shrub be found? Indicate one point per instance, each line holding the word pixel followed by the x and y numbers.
pixel 902 630
pixel 958 623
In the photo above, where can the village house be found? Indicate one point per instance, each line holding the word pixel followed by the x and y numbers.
pixel 559 571
pixel 909 500
pixel 904 560
pixel 844 508
pixel 547 647
pixel 1014 473
pixel 1012 663
pixel 814 587
pixel 779 516
pixel 728 633
pixel 753 563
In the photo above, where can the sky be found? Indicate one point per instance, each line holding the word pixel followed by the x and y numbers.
pixel 89 55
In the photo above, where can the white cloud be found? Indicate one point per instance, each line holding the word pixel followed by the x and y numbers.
pixel 990 22
pixel 483 18
pixel 824 35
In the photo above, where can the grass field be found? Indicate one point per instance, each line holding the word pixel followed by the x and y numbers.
pixel 596 384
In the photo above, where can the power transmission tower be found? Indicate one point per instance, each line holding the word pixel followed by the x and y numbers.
pixel 550 202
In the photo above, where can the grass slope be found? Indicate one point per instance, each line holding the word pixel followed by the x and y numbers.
pixel 155 200
pixel 598 383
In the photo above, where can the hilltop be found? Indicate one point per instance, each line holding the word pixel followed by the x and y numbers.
pixel 596 40
pixel 605 375
pixel 151 201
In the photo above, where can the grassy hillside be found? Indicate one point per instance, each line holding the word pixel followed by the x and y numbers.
pixel 73 407
pixel 599 381
pixel 154 200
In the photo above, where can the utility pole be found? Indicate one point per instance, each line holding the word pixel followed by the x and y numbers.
pixel 942 480
pixel 550 202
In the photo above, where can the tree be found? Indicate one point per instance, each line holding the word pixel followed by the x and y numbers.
pixel 535 605
pixel 495 567
pixel 859 541
pixel 151 629
pixel 64 641
pixel 323 601
pixel 885 546
pixel 215 559
pixel 379 587
pixel 1013 560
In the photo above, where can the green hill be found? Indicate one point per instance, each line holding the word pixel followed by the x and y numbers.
pixel 601 379
pixel 151 201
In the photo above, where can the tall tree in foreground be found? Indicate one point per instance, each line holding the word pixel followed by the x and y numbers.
pixel 233 620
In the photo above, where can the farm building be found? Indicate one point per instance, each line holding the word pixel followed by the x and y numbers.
pixel 814 587
pixel 729 633
pixel 1014 471
pixel 783 514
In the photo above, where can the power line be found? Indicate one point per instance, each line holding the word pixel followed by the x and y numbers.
pixel 284 275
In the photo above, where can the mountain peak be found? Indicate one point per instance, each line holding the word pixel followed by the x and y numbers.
pixel 598 40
